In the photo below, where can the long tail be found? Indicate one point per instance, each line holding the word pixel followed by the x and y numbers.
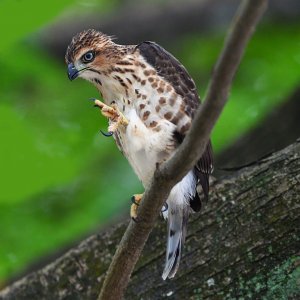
pixel 177 221
pixel 178 213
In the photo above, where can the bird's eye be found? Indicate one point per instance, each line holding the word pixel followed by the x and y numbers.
pixel 88 57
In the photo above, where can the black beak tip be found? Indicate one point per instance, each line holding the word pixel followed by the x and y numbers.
pixel 72 72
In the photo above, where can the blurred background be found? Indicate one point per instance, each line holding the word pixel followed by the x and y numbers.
pixel 61 180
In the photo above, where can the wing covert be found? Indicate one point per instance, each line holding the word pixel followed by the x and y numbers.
pixel 168 67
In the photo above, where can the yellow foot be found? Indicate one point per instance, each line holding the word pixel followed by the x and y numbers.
pixel 136 199
pixel 116 118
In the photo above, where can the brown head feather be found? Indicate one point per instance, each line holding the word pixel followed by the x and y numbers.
pixel 85 39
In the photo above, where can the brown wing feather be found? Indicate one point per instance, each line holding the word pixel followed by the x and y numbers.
pixel 168 67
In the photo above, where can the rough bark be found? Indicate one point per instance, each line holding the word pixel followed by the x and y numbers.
pixel 244 244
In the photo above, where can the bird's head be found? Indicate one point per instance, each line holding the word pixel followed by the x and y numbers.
pixel 89 54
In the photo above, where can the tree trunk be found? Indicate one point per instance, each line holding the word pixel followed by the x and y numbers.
pixel 243 245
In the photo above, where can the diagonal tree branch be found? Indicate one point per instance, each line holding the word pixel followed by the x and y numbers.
pixel 188 153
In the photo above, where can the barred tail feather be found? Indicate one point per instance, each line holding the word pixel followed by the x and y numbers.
pixel 176 236
pixel 178 213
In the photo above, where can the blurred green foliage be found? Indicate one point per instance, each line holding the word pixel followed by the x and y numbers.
pixel 59 177
pixel 19 17
pixel 267 74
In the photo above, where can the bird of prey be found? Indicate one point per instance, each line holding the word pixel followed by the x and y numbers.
pixel 150 101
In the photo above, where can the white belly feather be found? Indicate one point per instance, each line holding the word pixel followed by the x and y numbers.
pixel 143 147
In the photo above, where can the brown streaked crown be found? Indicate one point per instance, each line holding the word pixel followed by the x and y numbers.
pixel 85 39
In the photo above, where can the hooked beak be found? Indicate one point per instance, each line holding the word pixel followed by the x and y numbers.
pixel 72 71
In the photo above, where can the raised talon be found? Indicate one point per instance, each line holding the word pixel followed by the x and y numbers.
pixel 107 134
pixel 115 116
pixel 120 117
pixel 136 199
pixel 106 110
pixel 98 102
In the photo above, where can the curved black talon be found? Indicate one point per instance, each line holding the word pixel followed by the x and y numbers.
pixel 92 99
pixel 165 207
pixel 108 134
pixel 133 201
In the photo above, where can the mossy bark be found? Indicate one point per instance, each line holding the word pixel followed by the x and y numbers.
pixel 243 245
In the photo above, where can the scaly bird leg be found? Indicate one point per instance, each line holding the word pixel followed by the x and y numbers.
pixel 119 120
pixel 114 115
pixel 136 199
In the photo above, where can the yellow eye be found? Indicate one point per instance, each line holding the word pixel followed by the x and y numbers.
pixel 88 57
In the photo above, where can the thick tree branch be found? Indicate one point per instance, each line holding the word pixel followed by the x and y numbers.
pixel 188 153
pixel 243 244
